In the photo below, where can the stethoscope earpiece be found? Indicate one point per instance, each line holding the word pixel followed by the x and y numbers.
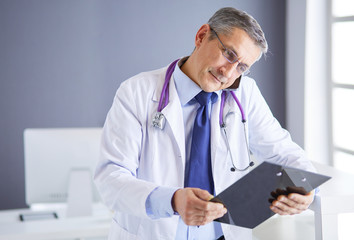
pixel 233 169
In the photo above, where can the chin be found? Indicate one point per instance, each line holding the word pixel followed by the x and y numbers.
pixel 211 85
pixel 211 89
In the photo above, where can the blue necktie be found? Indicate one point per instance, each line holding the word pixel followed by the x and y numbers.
pixel 200 173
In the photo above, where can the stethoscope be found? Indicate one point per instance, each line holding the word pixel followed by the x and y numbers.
pixel 159 119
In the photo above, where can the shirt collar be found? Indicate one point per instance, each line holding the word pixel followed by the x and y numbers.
pixel 186 88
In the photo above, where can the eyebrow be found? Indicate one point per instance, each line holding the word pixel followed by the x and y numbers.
pixel 227 47
pixel 232 49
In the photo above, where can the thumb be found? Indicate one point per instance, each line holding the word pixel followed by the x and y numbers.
pixel 202 194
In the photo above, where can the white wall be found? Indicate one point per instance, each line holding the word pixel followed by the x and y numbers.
pixel 307 94
pixel 317 78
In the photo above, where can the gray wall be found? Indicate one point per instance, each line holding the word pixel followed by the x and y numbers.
pixel 62 61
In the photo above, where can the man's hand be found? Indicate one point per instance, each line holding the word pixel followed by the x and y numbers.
pixel 292 204
pixel 194 207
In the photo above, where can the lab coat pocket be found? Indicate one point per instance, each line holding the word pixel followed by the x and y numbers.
pixel 118 232
pixel 161 159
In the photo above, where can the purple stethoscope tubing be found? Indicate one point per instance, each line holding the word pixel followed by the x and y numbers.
pixel 222 104
pixel 164 94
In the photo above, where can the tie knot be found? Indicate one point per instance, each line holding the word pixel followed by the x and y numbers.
pixel 203 98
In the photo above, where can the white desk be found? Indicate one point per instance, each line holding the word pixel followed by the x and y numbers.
pixel 96 226
pixel 336 196
pixel 295 227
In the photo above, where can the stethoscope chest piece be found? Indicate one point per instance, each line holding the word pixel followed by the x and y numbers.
pixel 159 120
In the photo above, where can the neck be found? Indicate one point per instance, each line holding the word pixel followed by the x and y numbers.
pixel 187 67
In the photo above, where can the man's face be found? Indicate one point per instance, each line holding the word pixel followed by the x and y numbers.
pixel 208 67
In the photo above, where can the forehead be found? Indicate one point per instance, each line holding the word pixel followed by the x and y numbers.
pixel 242 44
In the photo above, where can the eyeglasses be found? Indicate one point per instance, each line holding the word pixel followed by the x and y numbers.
pixel 232 57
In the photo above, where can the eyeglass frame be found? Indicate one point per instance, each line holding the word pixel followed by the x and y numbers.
pixel 240 64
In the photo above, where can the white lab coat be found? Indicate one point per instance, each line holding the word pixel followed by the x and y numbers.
pixel 137 157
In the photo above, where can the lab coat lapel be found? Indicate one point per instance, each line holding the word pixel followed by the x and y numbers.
pixel 174 118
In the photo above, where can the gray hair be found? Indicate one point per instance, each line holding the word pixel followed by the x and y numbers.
pixel 226 19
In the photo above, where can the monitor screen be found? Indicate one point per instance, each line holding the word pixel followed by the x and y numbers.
pixel 51 155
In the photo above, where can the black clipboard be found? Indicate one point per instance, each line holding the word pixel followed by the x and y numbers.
pixel 247 200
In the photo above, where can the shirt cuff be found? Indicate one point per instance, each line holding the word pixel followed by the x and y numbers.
pixel 159 202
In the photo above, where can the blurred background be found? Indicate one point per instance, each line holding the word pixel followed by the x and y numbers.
pixel 62 62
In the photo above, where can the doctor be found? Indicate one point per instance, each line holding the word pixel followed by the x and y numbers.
pixel 148 172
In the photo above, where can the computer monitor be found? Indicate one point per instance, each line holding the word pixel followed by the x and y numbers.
pixel 51 157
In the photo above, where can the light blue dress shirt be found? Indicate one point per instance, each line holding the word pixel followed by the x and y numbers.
pixel 158 204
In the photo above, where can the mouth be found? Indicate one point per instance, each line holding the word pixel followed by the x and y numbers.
pixel 215 78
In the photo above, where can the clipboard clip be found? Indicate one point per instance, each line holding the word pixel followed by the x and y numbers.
pixel 280 173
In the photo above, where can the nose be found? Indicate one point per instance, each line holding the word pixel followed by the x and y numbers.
pixel 229 69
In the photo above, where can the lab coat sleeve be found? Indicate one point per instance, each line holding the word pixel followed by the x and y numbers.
pixel 116 172
pixel 268 140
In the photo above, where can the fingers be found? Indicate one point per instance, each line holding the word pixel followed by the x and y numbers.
pixel 202 194
pixel 194 207
pixel 294 203
pixel 285 206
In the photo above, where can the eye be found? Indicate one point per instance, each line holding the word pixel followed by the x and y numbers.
pixel 242 68
pixel 230 55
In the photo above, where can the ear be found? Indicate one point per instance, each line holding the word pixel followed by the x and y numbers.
pixel 202 35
